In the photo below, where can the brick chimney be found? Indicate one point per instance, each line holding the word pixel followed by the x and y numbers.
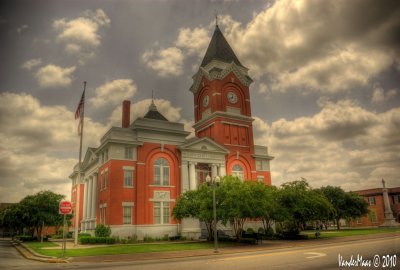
pixel 126 113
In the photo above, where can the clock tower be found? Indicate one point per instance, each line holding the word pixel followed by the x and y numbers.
pixel 222 109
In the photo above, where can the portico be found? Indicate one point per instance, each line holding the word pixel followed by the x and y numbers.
pixel 200 157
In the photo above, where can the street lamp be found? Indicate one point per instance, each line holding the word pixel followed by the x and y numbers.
pixel 214 183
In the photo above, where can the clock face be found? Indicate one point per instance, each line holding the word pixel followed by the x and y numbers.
pixel 206 100
pixel 232 97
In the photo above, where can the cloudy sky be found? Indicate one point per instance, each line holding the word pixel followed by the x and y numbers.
pixel 325 97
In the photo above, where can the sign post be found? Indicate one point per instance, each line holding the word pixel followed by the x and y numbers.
pixel 65 208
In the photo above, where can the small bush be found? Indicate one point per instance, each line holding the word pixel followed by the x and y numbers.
pixel 249 231
pixel 26 238
pixel 148 239
pixel 250 241
pixel 226 238
pixel 84 240
pixel 84 235
pixel 102 231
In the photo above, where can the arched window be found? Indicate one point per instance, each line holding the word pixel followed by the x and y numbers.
pixel 237 170
pixel 161 172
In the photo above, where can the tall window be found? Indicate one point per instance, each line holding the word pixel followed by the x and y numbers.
pixel 237 170
pixel 372 216
pixel 127 212
pixel 371 200
pixel 105 180
pixel 161 172
pixel 129 152
pixel 161 212
pixel 128 178
pixel 102 215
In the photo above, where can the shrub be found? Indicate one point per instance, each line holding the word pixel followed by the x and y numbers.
pixel 147 238
pixel 250 241
pixel 102 231
pixel 84 240
pixel 84 235
pixel 249 231
pixel 26 238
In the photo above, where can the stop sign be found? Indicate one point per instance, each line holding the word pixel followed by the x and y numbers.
pixel 65 207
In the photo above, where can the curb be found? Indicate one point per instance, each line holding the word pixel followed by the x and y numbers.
pixel 29 254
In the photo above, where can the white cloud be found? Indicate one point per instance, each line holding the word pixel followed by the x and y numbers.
pixel 342 145
pixel 81 35
pixel 31 63
pixel 112 93
pixel 379 95
pixel 166 62
pixel 52 76
pixel 302 45
pixel 39 146
pixel 193 41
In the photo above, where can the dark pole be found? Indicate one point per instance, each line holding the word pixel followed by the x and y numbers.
pixel 215 220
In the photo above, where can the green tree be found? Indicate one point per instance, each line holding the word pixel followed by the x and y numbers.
pixel 237 203
pixel 266 205
pixel 197 204
pixel 34 211
pixel 302 204
pixel 11 217
pixel 346 205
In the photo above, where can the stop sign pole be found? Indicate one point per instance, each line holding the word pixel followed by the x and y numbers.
pixel 65 208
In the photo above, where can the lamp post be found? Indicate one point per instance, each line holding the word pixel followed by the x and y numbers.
pixel 214 183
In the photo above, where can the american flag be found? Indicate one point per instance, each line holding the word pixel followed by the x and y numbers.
pixel 79 110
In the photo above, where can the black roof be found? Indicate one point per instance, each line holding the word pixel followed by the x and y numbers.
pixel 153 113
pixel 219 49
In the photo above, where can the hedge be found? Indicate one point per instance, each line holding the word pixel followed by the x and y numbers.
pixel 26 238
pixel 84 240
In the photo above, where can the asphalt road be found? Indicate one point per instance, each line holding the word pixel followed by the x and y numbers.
pixel 11 259
pixel 373 252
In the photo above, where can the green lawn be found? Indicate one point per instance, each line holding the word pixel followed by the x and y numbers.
pixel 350 232
pixel 159 247
pixel 120 249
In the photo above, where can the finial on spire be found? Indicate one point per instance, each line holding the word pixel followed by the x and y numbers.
pixel 152 105
pixel 216 18
pixel 383 183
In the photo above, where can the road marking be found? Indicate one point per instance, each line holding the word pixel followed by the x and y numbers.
pixel 314 255
pixel 335 246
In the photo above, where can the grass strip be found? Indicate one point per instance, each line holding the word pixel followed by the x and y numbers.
pixel 350 232
pixel 120 249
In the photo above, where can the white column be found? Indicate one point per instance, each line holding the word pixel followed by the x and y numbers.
pixel 85 193
pixel 94 199
pixel 192 176
pixel 214 172
pixel 184 176
pixel 90 192
pixel 221 170
pixel 83 224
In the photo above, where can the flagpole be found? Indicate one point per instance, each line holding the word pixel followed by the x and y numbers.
pixel 77 206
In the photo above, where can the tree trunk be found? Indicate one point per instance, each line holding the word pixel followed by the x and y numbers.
pixel 338 224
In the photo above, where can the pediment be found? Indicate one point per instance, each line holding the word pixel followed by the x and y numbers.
pixel 203 145
pixel 90 156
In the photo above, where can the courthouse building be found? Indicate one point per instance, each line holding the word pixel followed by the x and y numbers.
pixel 132 179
